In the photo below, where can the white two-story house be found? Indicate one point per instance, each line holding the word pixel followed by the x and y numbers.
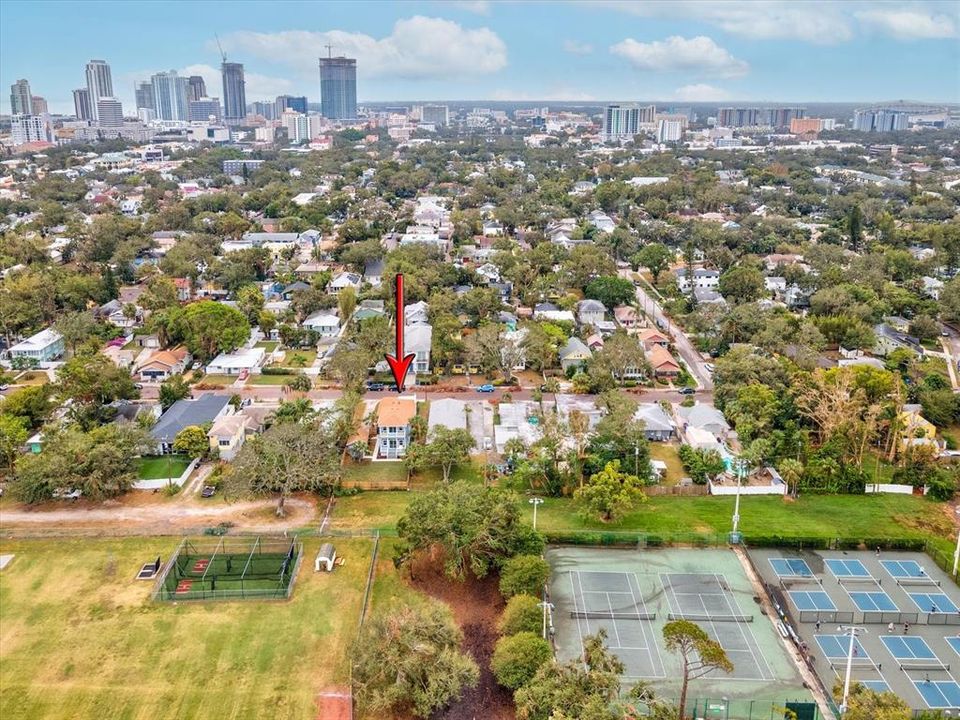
pixel 393 427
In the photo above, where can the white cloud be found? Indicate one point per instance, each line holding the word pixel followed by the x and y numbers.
pixel 700 54
pixel 700 92
pixel 417 48
pixel 477 7
pixel 814 21
pixel 577 48
pixel 916 24
pixel 257 86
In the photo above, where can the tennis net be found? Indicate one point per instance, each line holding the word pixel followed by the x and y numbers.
pixel 614 615
pixel 855 662
pixel 701 617
pixel 858 580
pixel 917 580
pixel 921 664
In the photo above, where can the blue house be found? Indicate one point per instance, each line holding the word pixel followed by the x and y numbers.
pixel 45 346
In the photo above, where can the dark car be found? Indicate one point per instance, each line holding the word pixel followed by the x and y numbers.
pixel 687 391
pixel 375 386
pixel 208 491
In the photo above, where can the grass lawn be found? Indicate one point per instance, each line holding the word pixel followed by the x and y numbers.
pixel 32 377
pixel 294 357
pixel 394 472
pixel 268 345
pixel 218 379
pixel 895 516
pixel 161 467
pixel 668 454
pixel 370 509
pixel 268 379
pixel 103 650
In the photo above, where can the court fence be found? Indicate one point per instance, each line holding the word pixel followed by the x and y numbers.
pixel 723 708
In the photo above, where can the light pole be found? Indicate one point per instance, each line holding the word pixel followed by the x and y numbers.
pixel 851 630
pixel 956 553
pixel 546 606
pixel 535 501
pixel 735 535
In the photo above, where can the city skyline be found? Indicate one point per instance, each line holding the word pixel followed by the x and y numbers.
pixel 582 52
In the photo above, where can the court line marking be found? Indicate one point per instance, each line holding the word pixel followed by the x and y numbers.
pixel 616 630
pixel 579 633
pixel 735 609
pixel 652 639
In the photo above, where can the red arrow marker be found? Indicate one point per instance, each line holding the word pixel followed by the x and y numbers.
pixel 400 363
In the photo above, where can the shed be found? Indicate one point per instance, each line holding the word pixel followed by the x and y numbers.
pixel 326 558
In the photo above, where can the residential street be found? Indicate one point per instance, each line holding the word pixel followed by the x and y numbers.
pixel 681 342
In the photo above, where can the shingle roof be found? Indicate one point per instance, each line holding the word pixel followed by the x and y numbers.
pixel 188 412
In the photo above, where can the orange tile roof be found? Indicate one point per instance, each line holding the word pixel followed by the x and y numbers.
pixel 659 356
pixel 169 358
pixel 396 412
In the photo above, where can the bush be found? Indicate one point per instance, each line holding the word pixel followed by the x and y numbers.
pixel 523 574
pixel 522 614
pixel 517 658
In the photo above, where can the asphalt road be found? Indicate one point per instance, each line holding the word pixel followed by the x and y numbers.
pixel 681 342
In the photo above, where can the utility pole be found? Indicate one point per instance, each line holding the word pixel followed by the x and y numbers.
pixel 735 535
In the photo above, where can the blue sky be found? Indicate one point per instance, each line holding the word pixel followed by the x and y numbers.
pixel 679 50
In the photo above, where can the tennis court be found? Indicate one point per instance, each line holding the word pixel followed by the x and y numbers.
pixel 900 602
pixel 791 567
pixel 632 594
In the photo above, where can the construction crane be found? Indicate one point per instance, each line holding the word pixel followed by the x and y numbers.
pixel 223 55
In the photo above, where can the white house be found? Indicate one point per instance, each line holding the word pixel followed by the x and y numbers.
pixel 601 221
pixel 45 346
pixel 324 323
pixel 344 280
pixel 234 363
pixel 591 312
pixel 417 314
pixel 702 278
pixel 418 340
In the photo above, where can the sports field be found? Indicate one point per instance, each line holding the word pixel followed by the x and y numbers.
pixel 80 638
pixel 634 593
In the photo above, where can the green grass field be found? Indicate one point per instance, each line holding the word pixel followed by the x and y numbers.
pixel 395 472
pixel 157 467
pixel 79 638
pixel 268 379
pixel 668 454
pixel 894 516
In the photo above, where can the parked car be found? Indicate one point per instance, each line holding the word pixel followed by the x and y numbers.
pixel 375 386
pixel 457 370
pixel 208 491
pixel 687 391
pixel 486 388
pixel 473 369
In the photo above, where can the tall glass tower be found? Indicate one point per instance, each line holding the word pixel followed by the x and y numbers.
pixel 338 88
pixel 99 84
pixel 234 93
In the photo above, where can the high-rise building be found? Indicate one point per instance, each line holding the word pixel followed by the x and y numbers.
pixel 99 83
pixel 338 88
pixel 297 125
pixel 144 95
pixel 802 126
pixel 170 92
pixel 109 112
pixel 38 105
pixel 30 128
pixel 438 115
pixel 621 121
pixel 202 109
pixel 234 93
pixel 146 115
pixel 81 104
pixel 290 102
pixel 776 117
pixel 198 87
pixel 265 109
pixel 20 98
pixel 670 130
pixel 880 120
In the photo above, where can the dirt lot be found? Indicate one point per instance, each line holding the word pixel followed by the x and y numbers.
pixel 476 606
